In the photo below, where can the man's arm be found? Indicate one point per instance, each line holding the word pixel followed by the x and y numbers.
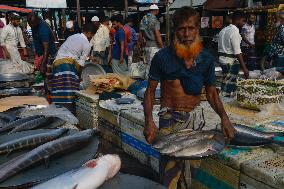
pixel 150 129
pixel 3 37
pixel 22 42
pixel 140 39
pixel 159 38
pixel 246 40
pixel 243 65
pixel 44 58
pixel 121 52
pixel 217 105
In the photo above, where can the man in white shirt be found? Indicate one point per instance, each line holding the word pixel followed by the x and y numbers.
pixel 248 43
pixel 100 42
pixel 230 54
pixel 11 36
pixel 71 57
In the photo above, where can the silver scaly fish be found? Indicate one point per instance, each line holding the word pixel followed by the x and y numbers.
pixel 44 152
pixel 31 141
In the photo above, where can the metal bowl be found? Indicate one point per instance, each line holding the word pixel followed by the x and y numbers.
pixel 90 69
pixel 13 77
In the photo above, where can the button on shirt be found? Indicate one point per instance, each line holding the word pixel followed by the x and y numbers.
pixel 249 32
pixel 101 39
pixel 11 35
pixel 77 47
pixel 229 42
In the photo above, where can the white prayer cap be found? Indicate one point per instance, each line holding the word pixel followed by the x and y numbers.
pixel 69 24
pixel 154 7
pixel 95 19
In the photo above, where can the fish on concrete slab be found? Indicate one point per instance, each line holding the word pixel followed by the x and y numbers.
pixel 90 176
pixel 30 141
pixel 44 152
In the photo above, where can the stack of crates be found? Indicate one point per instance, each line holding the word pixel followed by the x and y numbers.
pixel 87 109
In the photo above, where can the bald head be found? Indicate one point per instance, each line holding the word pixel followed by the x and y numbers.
pixel 33 20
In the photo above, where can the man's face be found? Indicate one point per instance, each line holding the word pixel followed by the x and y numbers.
pixel 16 23
pixel 187 32
pixel 97 24
pixel 90 35
pixel 251 19
pixel 115 25
pixel 241 22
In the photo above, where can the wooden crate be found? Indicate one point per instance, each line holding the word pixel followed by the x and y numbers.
pixel 250 183
pixel 215 175
pixel 268 169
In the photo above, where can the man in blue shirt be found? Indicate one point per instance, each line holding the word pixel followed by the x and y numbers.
pixel 133 40
pixel 119 64
pixel 44 43
pixel 183 69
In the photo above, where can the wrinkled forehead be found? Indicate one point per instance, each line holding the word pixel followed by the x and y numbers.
pixel 189 22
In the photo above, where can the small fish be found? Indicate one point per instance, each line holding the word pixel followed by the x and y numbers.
pixel 31 140
pixel 18 122
pixel 90 176
pixel 44 152
pixel 35 123
pixel 245 130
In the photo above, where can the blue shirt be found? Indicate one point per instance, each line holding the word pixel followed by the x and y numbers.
pixel 119 37
pixel 166 65
pixel 44 34
pixel 134 39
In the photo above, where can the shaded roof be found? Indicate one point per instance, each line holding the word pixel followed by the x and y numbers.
pixel 6 8
pixel 223 4
pixel 181 3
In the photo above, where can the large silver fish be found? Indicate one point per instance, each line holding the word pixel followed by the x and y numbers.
pixel 31 140
pixel 247 136
pixel 18 122
pixel 35 123
pixel 160 142
pixel 178 144
pixel 90 176
pixel 43 152
pixel 202 147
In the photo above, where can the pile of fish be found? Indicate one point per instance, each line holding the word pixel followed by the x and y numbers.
pixel 42 138
pixel 90 176
pixel 31 123
pixel 190 144
pixel 42 152
pixel 248 136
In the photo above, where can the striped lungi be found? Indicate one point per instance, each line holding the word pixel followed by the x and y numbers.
pixel 64 80
pixel 230 75
pixel 176 174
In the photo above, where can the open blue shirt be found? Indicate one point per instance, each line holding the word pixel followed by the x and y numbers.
pixel 44 34
pixel 166 65
pixel 118 38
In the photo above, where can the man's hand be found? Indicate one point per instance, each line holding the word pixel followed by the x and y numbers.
pixel 150 131
pixel 246 73
pixel 227 128
pixel 25 52
pixel 7 54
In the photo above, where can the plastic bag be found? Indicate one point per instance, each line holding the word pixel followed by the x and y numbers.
pixel 137 70
pixel 254 74
pixel 51 110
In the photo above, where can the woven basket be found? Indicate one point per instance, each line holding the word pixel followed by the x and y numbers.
pixel 253 93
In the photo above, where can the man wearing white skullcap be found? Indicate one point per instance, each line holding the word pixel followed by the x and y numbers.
pixel 69 29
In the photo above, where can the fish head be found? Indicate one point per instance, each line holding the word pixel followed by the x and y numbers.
pixel 113 161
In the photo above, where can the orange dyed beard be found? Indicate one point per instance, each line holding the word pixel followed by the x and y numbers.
pixel 188 53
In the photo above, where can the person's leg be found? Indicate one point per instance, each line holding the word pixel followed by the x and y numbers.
pixel 130 58
pixel 118 68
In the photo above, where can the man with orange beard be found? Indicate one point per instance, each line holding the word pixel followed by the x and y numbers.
pixel 183 69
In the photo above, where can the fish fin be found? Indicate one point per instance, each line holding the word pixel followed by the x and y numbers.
pixel 75 186
pixel 9 153
pixel 46 162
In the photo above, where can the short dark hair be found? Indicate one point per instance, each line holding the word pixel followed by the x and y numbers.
pixel 15 16
pixel 117 18
pixel 238 15
pixel 181 15
pixel 104 19
pixel 89 27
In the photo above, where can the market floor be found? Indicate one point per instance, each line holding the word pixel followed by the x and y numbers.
pixel 129 165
